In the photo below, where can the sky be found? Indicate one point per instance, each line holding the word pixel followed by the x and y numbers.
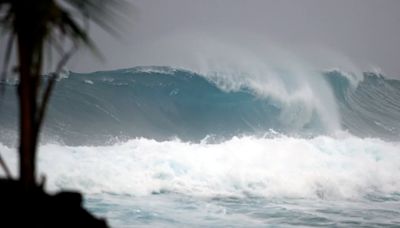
pixel 357 35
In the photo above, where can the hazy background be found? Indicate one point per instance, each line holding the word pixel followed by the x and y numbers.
pixel 361 34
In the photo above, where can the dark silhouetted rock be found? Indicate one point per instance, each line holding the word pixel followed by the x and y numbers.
pixel 37 208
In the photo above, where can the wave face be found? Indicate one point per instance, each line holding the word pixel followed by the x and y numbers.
pixel 370 109
pixel 164 103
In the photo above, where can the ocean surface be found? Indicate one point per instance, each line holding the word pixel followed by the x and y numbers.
pixel 157 146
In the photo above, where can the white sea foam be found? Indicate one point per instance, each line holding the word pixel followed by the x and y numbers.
pixel 64 74
pixel 90 82
pixel 322 167
pixel 151 69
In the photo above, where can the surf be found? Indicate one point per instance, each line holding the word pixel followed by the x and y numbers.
pixel 285 167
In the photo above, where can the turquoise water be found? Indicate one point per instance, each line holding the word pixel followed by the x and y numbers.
pixel 175 210
pixel 164 103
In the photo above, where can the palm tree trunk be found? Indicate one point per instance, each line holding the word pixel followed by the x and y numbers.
pixel 27 102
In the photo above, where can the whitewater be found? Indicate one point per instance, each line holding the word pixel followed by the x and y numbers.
pixel 172 147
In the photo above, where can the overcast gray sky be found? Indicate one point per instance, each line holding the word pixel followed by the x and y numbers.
pixel 364 34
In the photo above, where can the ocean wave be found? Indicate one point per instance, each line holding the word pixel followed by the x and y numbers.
pixel 165 102
pixel 321 167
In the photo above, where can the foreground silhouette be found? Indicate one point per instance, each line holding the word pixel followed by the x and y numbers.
pixel 35 28
pixel 39 209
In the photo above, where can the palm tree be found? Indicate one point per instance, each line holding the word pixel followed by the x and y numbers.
pixel 35 26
